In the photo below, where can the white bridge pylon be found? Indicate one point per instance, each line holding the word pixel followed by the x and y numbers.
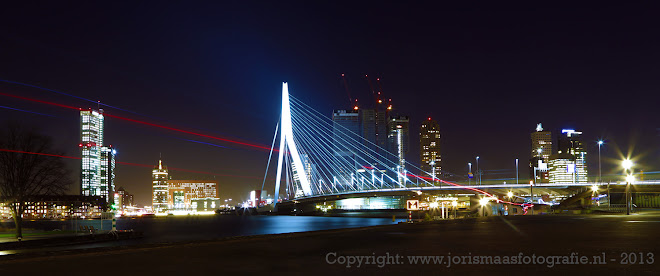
pixel 287 144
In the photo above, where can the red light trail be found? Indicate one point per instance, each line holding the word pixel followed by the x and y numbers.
pixel 524 205
pixel 131 164
pixel 145 123
pixel 187 132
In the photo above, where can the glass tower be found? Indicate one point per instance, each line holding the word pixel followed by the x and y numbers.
pixel 91 141
pixel 429 148
pixel 159 188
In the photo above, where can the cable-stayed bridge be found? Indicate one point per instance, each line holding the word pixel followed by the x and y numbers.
pixel 319 159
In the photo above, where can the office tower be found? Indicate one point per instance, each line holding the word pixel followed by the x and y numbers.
pixel 398 138
pixel 541 150
pixel 429 148
pixel 562 168
pixel 159 188
pixel 97 175
pixel 345 129
pixel 569 143
pixel 91 140
pixel 108 172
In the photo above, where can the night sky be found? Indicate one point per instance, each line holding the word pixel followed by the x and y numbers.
pixel 487 76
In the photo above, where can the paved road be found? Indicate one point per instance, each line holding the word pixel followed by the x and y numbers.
pixel 309 253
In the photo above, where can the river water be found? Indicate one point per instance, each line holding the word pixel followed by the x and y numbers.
pixel 189 228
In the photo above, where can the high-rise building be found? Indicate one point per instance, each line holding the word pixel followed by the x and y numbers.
pixel 91 140
pixel 540 154
pixel 159 178
pixel 569 143
pixel 108 171
pixel 562 169
pixel 97 173
pixel 429 148
pixel 123 199
pixel 398 138
pixel 345 129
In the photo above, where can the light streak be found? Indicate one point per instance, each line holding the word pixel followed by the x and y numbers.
pixel 143 122
pixel 130 164
pixel 524 205
pixel 22 110
pixel 38 101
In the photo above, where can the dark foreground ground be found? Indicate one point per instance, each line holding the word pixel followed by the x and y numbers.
pixel 619 238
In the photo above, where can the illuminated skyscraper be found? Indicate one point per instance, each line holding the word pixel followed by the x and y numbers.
pixel 97 176
pixel 398 138
pixel 429 147
pixel 91 141
pixel 159 178
pixel 541 150
pixel 569 144
pixel 108 172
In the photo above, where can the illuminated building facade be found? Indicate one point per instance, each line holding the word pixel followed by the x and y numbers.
pixel 398 138
pixel 97 173
pixel 159 177
pixel 181 194
pixel 570 149
pixel 429 148
pixel 107 166
pixel 123 199
pixel 59 207
pixel 562 169
pixel 541 150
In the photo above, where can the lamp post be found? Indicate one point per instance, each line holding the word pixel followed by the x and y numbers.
pixel 600 176
pixel 627 165
pixel 469 172
pixel 478 172
pixel 432 163
pixel 483 202
pixel 516 171
pixel 455 205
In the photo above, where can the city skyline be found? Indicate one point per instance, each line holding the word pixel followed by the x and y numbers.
pixel 480 92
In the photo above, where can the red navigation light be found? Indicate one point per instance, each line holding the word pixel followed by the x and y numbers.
pixel 429 118
pixel 80 145
pixel 355 107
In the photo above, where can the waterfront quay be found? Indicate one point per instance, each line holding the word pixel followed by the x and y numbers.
pixel 613 239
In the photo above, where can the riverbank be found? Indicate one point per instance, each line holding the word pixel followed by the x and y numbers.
pixel 326 252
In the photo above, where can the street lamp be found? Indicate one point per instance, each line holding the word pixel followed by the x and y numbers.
pixel 432 163
pixel 483 202
pixel 516 171
pixel 478 172
pixel 510 195
pixel 594 188
pixel 600 176
pixel 627 165
pixel 469 172
pixel 539 151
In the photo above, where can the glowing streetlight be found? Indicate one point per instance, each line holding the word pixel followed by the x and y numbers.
pixel 483 202
pixel 432 163
pixel 510 194
pixel 478 172
pixel 627 164
pixel 600 178
pixel 454 203
pixel 594 188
